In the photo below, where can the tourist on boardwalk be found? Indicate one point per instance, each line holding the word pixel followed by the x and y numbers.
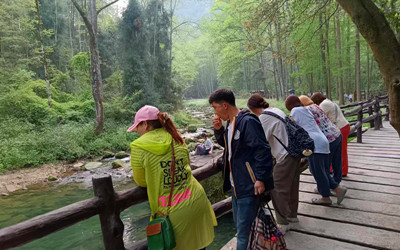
pixel 247 160
pixel 331 132
pixel 191 213
pixel 206 147
pixel 332 110
pixel 286 172
pixel 319 160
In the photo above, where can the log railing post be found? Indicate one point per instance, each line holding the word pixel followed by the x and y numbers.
pixel 360 120
pixel 387 113
pixel 111 224
pixel 370 113
pixel 377 111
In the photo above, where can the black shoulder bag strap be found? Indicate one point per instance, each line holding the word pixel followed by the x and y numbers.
pixel 282 120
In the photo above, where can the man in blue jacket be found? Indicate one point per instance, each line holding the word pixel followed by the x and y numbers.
pixel 247 160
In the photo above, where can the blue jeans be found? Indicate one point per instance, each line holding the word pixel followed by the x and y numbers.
pixel 244 213
pixel 335 158
pixel 319 168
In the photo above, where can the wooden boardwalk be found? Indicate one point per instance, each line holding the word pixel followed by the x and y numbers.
pixel 369 216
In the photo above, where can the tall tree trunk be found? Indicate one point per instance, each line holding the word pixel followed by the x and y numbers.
pixel 385 47
pixel 90 20
pixel 328 61
pixel 323 57
pixel 339 52
pixel 357 70
pixel 368 75
pixel 280 64
pixel 44 54
pixel 349 79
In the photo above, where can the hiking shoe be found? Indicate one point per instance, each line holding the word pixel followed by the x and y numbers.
pixel 340 195
pixel 318 201
pixel 292 220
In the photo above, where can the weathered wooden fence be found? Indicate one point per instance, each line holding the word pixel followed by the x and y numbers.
pixel 108 204
pixel 372 107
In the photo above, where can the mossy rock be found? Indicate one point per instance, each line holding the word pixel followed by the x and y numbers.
pixel 52 178
pixel 192 146
pixel 192 128
pixel 121 155
pixel 189 140
pixel 92 165
pixel 108 154
pixel 117 164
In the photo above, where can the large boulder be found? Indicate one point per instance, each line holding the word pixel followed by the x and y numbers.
pixel 121 155
pixel 192 128
pixel 117 164
pixel 92 165
pixel 107 154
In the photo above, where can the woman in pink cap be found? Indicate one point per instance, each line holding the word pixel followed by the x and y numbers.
pixel 190 211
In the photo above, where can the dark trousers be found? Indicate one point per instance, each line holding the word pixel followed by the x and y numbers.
pixel 285 195
pixel 319 168
pixel 335 158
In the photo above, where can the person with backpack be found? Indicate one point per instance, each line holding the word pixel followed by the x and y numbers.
pixel 247 160
pixel 286 172
pixel 319 160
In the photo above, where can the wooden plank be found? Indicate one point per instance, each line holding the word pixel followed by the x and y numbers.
pixel 378 162
pixel 374 173
pixel 231 245
pixel 298 240
pixel 358 205
pixel 358 194
pixel 374 146
pixel 375 150
pixel 377 155
pixel 369 237
pixel 367 179
pixel 374 167
pixel 367 159
pixel 359 185
pixel 372 140
pixel 381 221
pixel 370 173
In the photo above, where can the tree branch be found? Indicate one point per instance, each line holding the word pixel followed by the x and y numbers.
pixel 105 6
pixel 84 17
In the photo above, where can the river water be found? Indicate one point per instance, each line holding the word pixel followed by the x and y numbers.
pixel 23 205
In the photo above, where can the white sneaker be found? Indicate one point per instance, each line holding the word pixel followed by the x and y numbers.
pixel 283 228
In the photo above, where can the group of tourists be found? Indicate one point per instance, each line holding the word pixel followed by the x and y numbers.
pixel 253 139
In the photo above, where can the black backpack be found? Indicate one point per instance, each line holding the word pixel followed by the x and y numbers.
pixel 298 138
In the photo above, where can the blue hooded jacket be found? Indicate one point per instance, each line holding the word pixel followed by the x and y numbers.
pixel 251 157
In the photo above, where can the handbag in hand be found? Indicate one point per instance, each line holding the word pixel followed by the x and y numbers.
pixel 264 233
pixel 160 234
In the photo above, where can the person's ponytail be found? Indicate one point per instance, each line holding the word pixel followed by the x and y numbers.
pixel 169 125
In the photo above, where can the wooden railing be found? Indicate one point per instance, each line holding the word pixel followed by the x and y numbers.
pixel 107 203
pixel 372 107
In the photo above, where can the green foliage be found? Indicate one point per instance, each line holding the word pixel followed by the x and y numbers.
pixel 61 142
pixel 183 119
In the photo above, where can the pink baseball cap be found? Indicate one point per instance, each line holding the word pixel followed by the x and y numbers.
pixel 145 113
